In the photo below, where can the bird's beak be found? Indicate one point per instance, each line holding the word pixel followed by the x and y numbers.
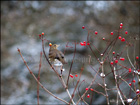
pixel 57 46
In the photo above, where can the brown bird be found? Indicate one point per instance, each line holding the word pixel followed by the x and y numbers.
pixel 54 53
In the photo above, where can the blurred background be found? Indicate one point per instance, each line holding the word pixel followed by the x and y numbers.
pixel 61 21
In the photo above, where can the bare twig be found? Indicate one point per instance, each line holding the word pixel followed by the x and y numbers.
pixel 104 82
pixel 76 84
pixel 39 82
pixel 88 87
pixel 129 59
pixel 71 66
pixel 117 86
pixel 39 78
pixel 68 92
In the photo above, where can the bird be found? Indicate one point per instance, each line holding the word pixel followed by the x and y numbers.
pixel 54 54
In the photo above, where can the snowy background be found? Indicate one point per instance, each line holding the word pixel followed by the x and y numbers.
pixel 61 21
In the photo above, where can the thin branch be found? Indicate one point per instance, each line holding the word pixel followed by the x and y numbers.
pixel 127 84
pixel 117 86
pixel 79 89
pixel 88 87
pixel 39 78
pixel 76 84
pixel 71 66
pixel 104 83
pixel 68 91
pixel 129 59
pixel 39 82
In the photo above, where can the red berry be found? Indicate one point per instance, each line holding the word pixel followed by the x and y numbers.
pixel 84 41
pixel 120 37
pixel 126 32
pixel 88 96
pixel 121 24
pixel 18 49
pixel 111 63
pixel 86 88
pixel 120 27
pixel 113 52
pixel 50 44
pixel 116 61
pixel 96 32
pixel 123 39
pixel 91 89
pixel 122 59
pixel 134 81
pixel 137 57
pixel 111 33
pixel 81 43
pixel 39 35
pixel 137 91
pixel 138 70
pixel 88 43
pixel 129 70
pixel 130 84
pixel 83 27
pixel 71 76
pixel 42 33
pixel 103 38
pixel 76 75
pixel 84 44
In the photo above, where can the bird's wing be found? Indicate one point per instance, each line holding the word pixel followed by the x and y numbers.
pixel 56 54
pixel 52 54
pixel 60 55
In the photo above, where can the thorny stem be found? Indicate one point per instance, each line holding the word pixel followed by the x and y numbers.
pixel 39 82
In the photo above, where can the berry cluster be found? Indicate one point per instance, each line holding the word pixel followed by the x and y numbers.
pixel 84 43
pixel 76 75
